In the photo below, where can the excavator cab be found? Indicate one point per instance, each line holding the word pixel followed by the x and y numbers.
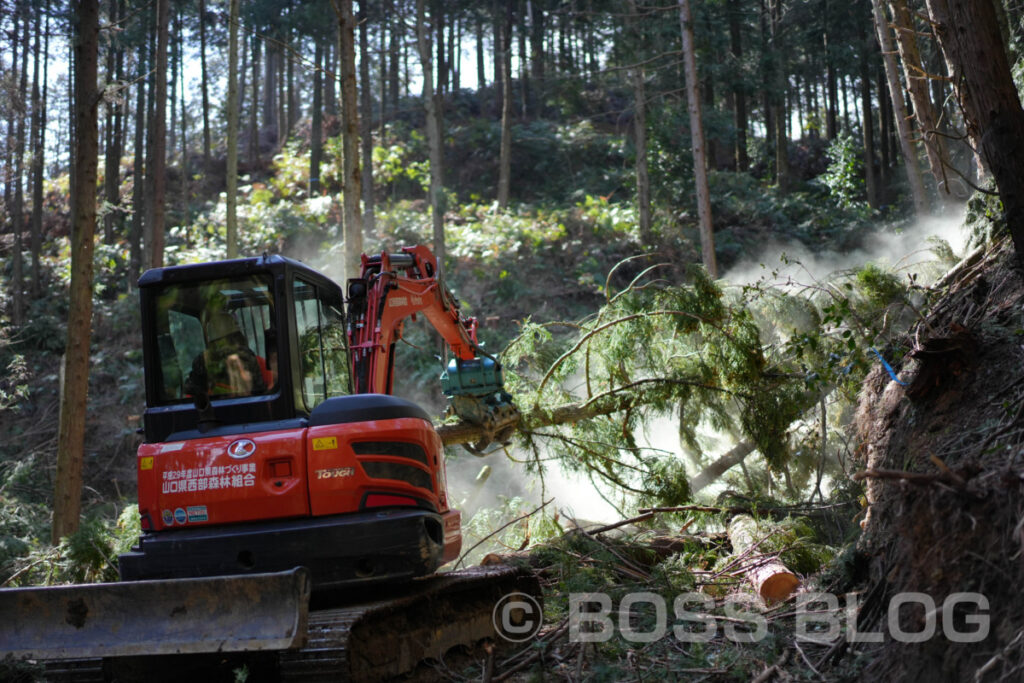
pixel 257 455
pixel 235 342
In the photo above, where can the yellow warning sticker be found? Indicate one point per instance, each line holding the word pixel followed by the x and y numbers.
pixel 146 463
pixel 325 443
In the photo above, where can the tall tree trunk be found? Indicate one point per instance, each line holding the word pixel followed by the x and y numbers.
pixel 184 166
pixel 503 35
pixel 968 32
pixel 700 174
pixel 139 164
pixel 867 124
pixel 454 47
pixel 900 111
pixel 283 127
pixel 254 126
pixel 353 228
pixel 779 90
pixel 643 183
pixel 394 59
pixel 203 78
pixel 831 96
pixel 481 75
pixel 524 74
pixel 917 86
pixel 885 127
pixel 18 209
pixel 38 137
pixel 739 90
pixel 110 167
pixel 316 134
pixel 270 119
pixel 767 81
pixel 438 21
pixel 382 53
pixel 330 99
pixel 172 84
pixel 366 120
pixel 111 176
pixel 231 193
pixel 67 498
pixel 290 98
pixel 437 199
pixel 153 255
pixel 500 49
pixel 537 26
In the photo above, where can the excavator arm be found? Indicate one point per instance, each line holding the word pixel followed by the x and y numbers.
pixel 397 286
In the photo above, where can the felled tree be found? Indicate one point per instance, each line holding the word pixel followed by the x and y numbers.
pixel 752 363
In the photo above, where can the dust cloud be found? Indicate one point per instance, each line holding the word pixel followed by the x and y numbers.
pixel 904 249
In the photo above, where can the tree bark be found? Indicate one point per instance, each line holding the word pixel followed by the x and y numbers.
pixel 739 89
pixel 778 97
pixel 138 163
pixel 538 23
pixel 366 120
pixel 18 209
pixel 707 237
pixel 481 75
pixel 203 79
pixel 38 152
pixel 867 117
pixel 900 111
pixel 917 86
pixel 502 33
pixel 67 499
pixel 831 96
pixel 153 254
pixel 353 228
pixel 316 133
pixel 394 54
pixel 254 126
pixel 112 170
pixel 231 193
pixel 643 181
pixel 968 32
pixel 433 123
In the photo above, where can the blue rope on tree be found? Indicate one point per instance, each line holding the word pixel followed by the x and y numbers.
pixel 892 373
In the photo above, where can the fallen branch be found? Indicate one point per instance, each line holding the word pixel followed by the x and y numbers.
pixel 774 669
pixel 645 514
pixel 947 478
pixel 520 518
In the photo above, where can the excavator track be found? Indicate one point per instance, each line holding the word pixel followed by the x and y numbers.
pixel 375 640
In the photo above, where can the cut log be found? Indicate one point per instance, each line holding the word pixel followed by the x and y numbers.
pixel 770 577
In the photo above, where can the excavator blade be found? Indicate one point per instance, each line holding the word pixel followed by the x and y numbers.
pixel 179 616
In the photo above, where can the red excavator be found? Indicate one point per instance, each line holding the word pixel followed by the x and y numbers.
pixel 276 464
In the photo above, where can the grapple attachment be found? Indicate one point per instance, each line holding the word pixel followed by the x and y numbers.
pixel 476 393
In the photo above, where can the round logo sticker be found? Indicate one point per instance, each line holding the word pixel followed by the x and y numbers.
pixel 168 517
pixel 179 516
pixel 242 448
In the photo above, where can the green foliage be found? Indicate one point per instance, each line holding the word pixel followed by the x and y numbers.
pixel 845 175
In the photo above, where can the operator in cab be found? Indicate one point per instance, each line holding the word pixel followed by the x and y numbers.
pixel 227 367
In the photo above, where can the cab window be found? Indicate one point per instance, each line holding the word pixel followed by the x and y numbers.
pixel 216 338
pixel 323 354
